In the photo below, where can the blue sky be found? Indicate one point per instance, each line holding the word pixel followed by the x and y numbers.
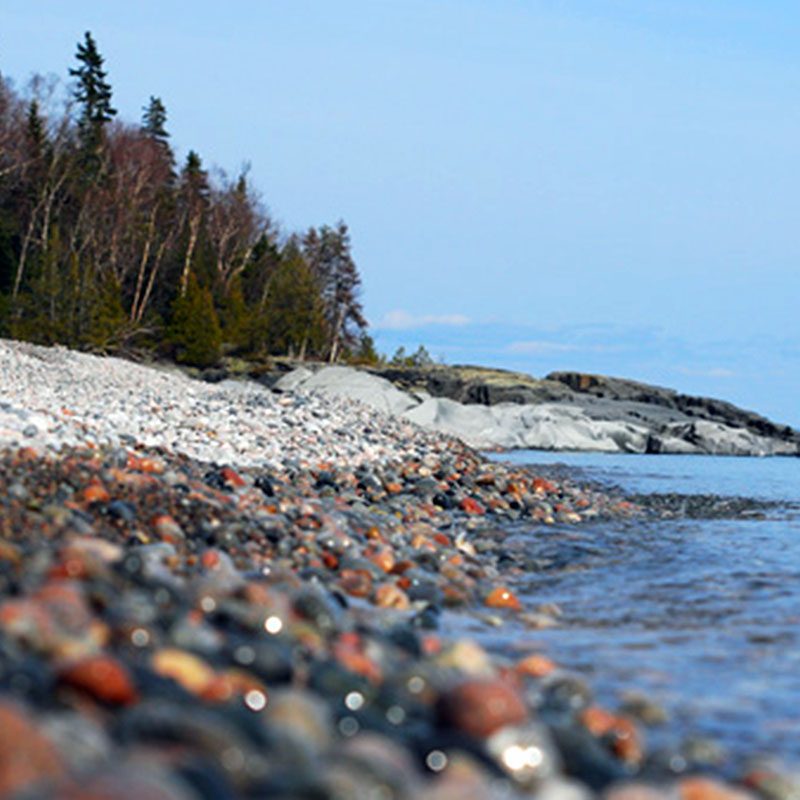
pixel 605 185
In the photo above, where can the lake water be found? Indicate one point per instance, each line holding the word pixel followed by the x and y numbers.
pixel 702 616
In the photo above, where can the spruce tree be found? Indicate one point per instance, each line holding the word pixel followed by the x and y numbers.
pixel 195 330
pixel 154 120
pixel 106 318
pixel 36 138
pixel 328 252
pixel 291 321
pixel 93 93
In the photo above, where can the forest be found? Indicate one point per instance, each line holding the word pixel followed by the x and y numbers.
pixel 108 244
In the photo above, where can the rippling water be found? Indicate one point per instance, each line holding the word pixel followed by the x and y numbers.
pixel 702 616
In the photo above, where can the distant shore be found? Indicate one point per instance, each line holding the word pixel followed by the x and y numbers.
pixel 496 409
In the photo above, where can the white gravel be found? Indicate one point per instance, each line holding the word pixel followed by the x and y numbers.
pixel 54 397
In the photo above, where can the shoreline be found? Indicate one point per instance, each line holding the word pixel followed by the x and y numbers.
pixel 565 412
pixel 196 629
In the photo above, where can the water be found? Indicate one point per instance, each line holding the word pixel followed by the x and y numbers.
pixel 702 616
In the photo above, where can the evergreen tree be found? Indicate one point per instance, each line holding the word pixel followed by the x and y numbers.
pixel 103 239
pixel 93 93
pixel 234 316
pixel 366 353
pixel 106 317
pixel 195 330
pixel 46 303
pixel 35 131
pixel 193 201
pixel 328 251
pixel 155 119
pixel 292 320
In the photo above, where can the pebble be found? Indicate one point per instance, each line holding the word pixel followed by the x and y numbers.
pixel 703 788
pixel 27 757
pixel 101 677
pixel 480 707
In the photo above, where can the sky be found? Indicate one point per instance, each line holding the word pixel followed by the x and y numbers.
pixel 598 185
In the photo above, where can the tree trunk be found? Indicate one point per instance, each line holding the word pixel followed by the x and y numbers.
pixel 151 281
pixel 143 265
pixel 23 256
pixel 194 232
pixel 337 332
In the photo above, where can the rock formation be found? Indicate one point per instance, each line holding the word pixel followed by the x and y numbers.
pixel 496 409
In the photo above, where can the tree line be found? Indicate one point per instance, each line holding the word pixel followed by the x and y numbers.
pixel 107 244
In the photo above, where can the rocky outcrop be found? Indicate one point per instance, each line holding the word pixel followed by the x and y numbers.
pixel 688 406
pixel 477 385
pixel 495 409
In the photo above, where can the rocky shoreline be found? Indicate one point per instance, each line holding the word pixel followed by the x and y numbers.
pixel 495 409
pixel 221 592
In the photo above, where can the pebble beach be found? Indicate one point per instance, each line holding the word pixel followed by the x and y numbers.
pixel 221 591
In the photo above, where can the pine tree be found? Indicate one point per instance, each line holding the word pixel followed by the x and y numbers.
pixel 193 201
pixel 106 318
pixel 195 330
pixel 36 138
pixel 234 316
pixel 93 93
pixel 328 251
pixel 292 320
pixel 154 120
pixel 366 353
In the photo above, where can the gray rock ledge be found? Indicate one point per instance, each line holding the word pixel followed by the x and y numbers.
pixel 495 409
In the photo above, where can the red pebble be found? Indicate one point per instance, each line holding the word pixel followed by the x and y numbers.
pixel 232 478
pixel 210 559
pixel 145 464
pixel 356 582
pixel 103 678
pixel 168 529
pixel 353 659
pixel 330 560
pixel 535 666
pixel 480 707
pixel 96 493
pixel 701 788
pixel 501 597
pixel 472 506
pixel 542 486
pixel 390 596
pixel 431 645
pixel 621 733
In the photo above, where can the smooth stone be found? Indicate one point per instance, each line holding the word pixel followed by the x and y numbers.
pixel 133 781
pixel 468 657
pixel 101 677
pixel 81 741
pixel 480 707
pixel 27 758
pixel 122 510
pixel 316 606
pixel 302 716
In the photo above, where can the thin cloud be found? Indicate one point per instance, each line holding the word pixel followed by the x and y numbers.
pixel 401 320
pixel 543 347
pixel 539 347
pixel 711 372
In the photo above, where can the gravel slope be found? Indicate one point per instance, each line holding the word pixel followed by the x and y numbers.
pixel 51 397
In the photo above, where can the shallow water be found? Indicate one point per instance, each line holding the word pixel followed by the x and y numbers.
pixel 702 616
